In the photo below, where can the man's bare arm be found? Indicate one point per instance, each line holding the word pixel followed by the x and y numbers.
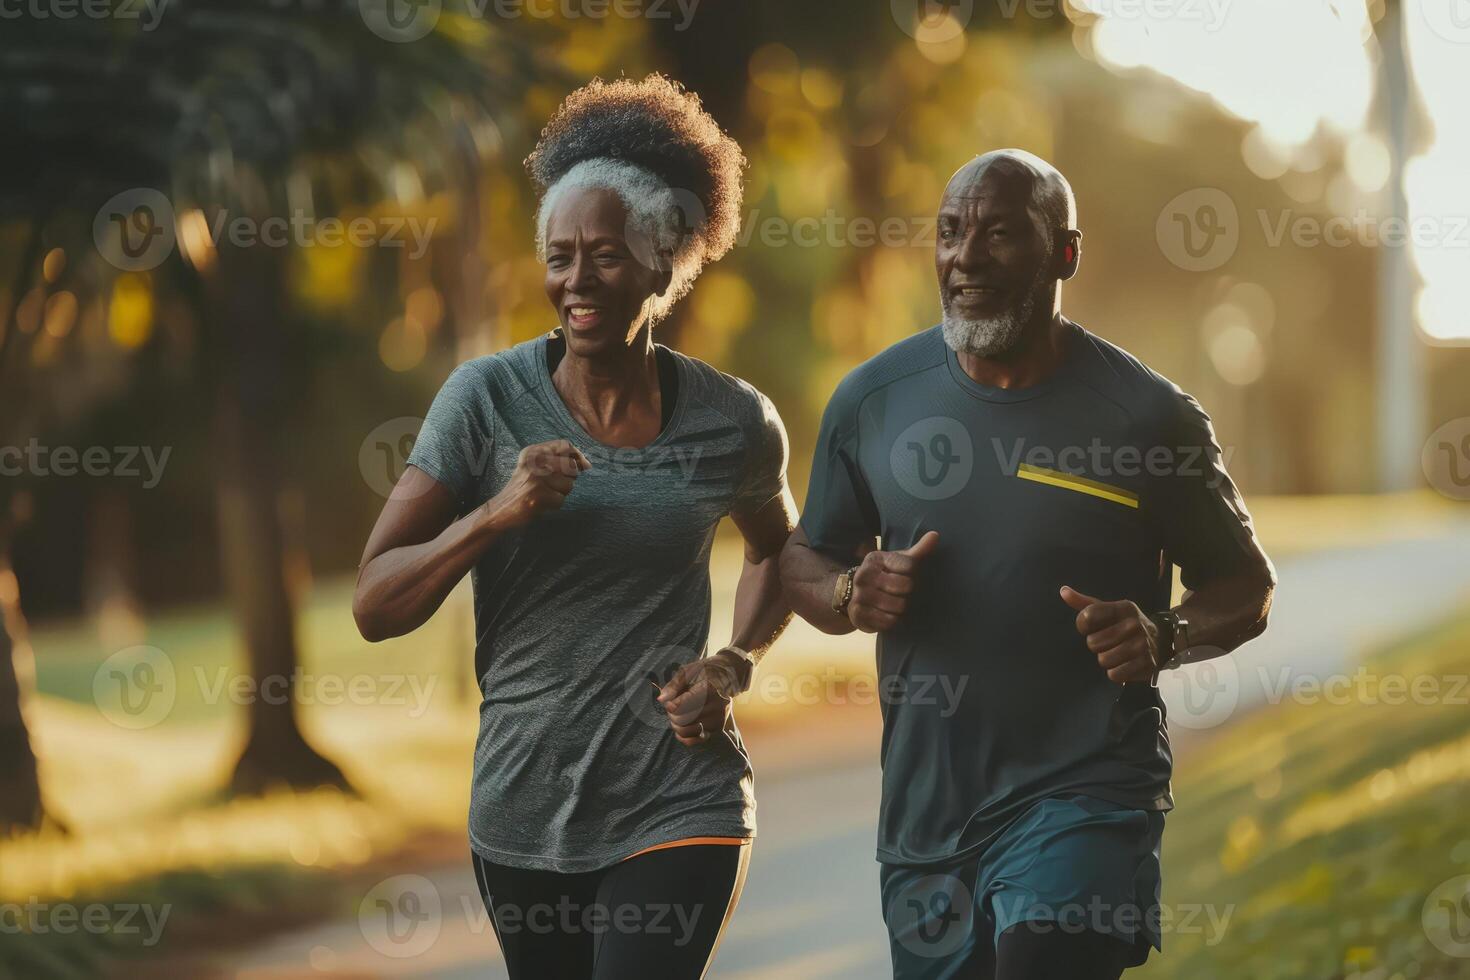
pixel 1228 611
pixel 808 578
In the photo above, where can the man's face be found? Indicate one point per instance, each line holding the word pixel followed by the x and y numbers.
pixel 992 258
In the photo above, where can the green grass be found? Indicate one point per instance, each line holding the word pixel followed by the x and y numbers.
pixel 1322 828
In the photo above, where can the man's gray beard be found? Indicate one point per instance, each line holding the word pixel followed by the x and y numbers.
pixel 991 335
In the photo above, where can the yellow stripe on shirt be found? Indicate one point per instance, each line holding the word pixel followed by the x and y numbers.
pixel 1056 478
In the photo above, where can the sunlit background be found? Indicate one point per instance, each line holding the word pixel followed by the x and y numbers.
pixel 242 245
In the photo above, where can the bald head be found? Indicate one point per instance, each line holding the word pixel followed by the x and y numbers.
pixel 1020 176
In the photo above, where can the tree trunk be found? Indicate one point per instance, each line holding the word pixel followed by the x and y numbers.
pixel 243 303
pixel 20 789
pixel 22 808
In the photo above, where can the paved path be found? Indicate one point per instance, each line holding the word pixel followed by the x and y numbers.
pixel 810 909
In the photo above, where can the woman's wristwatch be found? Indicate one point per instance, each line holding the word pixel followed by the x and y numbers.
pixel 747 672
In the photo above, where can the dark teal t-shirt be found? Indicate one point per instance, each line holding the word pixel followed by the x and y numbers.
pixel 1101 477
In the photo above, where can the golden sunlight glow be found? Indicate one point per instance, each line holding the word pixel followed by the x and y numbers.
pixel 402 344
pixel 940 39
pixel 195 238
pixel 1313 74
pixel 1312 50
pixel 61 313
pixel 1434 182
pixel 53 264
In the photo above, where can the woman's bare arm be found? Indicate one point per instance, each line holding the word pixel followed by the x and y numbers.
pixel 418 552
pixel 700 692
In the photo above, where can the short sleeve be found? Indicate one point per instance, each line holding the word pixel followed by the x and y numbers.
pixel 454 443
pixel 840 516
pixel 764 475
pixel 1206 528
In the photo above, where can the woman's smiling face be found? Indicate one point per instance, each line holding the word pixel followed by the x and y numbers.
pixel 599 277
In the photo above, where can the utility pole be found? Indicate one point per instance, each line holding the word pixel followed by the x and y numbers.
pixel 1401 398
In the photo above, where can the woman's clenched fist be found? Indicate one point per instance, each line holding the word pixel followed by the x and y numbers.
pixel 544 475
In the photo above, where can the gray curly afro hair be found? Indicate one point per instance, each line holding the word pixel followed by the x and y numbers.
pixel 653 144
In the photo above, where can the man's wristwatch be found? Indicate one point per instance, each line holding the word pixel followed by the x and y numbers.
pixel 747 671
pixel 1173 639
pixel 842 593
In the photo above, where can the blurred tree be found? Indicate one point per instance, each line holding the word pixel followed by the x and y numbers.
pixel 21 804
pixel 848 121
pixel 230 110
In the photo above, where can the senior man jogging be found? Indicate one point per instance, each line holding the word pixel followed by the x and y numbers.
pixel 1030 487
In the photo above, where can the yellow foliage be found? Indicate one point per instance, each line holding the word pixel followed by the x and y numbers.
pixel 130 311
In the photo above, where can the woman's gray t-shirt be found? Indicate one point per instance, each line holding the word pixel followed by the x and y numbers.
pixel 575 765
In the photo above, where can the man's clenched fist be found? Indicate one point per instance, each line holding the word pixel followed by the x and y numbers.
pixel 883 583
pixel 1123 638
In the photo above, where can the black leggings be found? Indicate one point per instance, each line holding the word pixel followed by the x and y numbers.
pixel 659 915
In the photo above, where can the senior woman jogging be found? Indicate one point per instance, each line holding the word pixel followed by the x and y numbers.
pixel 579 478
